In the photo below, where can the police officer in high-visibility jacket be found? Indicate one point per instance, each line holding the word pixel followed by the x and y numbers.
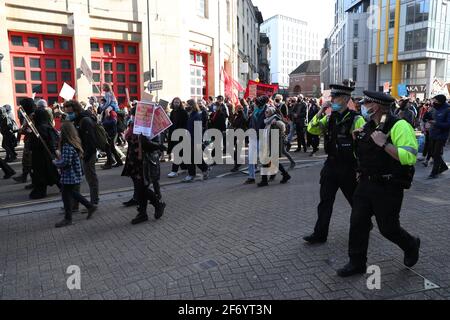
pixel 386 149
pixel 339 171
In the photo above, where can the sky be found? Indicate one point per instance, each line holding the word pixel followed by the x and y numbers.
pixel 318 13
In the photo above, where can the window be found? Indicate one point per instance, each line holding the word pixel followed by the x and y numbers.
pixel 392 17
pixel 355 73
pixel 228 16
pixel 201 8
pixel 40 64
pixel 95 46
pixel 391 45
pixel 417 11
pixel 356 29
pixel 355 50
pixel 198 75
pixel 116 63
pixel 416 39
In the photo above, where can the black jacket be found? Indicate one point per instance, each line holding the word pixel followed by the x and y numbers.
pixel 85 123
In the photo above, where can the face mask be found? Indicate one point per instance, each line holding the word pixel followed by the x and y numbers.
pixel 365 113
pixel 336 107
pixel 71 116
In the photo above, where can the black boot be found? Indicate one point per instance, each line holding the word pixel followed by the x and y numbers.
pixel 412 256
pixel 264 182
pixel 63 223
pixel 141 217
pixel 22 178
pixel 286 178
pixel 313 239
pixel 159 210
pixel 130 203
pixel 351 269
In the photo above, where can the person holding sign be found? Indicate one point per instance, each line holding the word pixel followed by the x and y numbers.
pixel 138 166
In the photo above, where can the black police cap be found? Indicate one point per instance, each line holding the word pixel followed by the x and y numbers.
pixel 378 97
pixel 344 89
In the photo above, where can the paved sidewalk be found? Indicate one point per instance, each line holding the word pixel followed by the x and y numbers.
pixel 220 239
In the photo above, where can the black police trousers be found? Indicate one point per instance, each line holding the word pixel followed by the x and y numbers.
pixel 333 177
pixel 384 201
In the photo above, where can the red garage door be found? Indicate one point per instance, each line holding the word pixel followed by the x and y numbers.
pixel 116 63
pixel 40 64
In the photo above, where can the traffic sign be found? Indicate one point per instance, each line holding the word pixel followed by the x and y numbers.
pixel 155 86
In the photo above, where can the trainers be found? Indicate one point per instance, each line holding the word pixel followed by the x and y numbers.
pixel 118 164
pixel 9 175
pixel 91 211
pixel 206 175
pixel 235 169
pixel 292 166
pixel 173 174
pixel 159 210
pixel 63 223
pixel 442 170
pixel 188 179
pixel 107 167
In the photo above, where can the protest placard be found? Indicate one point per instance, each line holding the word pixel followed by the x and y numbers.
pixel 161 121
pixel 143 120
pixel 86 70
pixel 67 92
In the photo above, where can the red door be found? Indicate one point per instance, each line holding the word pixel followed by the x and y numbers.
pixel 40 64
pixel 116 63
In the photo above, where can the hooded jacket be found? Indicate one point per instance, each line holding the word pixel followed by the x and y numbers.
pixel 441 128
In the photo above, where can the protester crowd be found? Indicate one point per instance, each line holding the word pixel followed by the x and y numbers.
pixel 74 135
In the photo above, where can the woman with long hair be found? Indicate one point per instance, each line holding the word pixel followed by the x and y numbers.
pixel 179 118
pixel 195 116
pixel 71 172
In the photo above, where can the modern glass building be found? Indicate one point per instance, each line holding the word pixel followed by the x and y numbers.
pixel 412 45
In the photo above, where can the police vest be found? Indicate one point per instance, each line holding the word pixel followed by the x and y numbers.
pixel 338 142
pixel 375 164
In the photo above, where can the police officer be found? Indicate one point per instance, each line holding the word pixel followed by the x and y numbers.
pixel 386 149
pixel 339 171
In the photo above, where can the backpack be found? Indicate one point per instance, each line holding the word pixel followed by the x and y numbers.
pixel 101 141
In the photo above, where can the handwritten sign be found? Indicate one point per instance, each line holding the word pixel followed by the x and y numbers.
pixel 143 120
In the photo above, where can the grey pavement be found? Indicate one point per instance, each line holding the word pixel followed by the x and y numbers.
pixel 220 239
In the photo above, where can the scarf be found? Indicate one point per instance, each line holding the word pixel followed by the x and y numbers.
pixel 257 112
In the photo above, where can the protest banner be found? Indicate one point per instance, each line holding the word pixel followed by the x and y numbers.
pixel 261 89
pixel 143 120
pixel 386 87
pixel 161 121
pixel 326 96
pixel 163 103
pixel 67 92
pixel 402 90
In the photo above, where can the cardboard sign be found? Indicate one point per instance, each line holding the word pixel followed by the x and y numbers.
pixel 147 97
pixel 143 120
pixel 67 92
pixel 386 87
pixel 86 70
pixel 252 91
pixel 163 103
pixel 127 92
pixel 161 122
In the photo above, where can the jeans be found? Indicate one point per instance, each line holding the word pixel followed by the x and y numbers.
pixel 69 194
pixel 437 150
pixel 91 178
pixel 291 132
pixel 112 151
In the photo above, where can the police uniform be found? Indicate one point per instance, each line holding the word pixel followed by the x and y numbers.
pixel 382 180
pixel 339 171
